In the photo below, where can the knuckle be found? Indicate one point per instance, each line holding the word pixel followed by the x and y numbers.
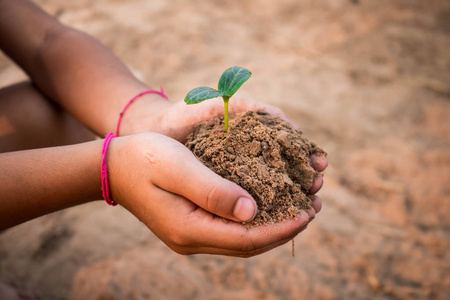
pixel 180 239
pixel 212 198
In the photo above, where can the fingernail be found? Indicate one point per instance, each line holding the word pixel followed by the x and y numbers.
pixel 317 184
pixel 322 162
pixel 304 217
pixel 245 209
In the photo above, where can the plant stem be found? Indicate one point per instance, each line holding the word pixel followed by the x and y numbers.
pixel 225 114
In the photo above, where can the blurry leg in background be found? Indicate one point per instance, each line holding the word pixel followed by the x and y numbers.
pixel 28 120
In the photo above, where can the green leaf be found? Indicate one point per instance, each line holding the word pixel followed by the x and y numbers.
pixel 200 94
pixel 232 79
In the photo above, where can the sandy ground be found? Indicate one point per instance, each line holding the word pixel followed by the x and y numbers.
pixel 367 80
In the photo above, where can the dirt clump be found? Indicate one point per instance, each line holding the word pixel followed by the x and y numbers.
pixel 263 154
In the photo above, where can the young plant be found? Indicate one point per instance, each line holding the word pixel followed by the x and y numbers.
pixel 230 81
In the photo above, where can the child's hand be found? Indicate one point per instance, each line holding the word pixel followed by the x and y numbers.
pixel 177 120
pixel 162 183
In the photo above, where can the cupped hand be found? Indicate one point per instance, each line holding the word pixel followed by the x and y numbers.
pixel 162 183
pixel 180 119
pixel 177 119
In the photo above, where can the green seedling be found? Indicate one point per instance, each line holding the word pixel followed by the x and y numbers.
pixel 230 81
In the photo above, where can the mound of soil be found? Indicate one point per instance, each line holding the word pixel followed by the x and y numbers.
pixel 264 155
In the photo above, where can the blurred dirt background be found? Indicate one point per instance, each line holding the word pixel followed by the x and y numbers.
pixel 367 80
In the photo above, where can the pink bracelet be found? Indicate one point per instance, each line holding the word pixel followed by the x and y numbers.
pixel 105 183
pixel 161 93
pixel 111 135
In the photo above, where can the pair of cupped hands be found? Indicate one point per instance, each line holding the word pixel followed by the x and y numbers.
pixel 162 183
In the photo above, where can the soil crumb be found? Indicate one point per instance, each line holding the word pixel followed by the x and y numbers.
pixel 263 154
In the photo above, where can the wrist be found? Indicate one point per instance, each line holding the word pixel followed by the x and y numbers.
pixel 147 113
pixel 124 163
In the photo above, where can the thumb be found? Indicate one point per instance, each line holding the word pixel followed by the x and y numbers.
pixel 225 198
pixel 183 174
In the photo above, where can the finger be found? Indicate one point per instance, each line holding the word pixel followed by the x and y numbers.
pixel 317 185
pixel 187 230
pixel 239 253
pixel 234 236
pixel 311 213
pixel 319 162
pixel 317 204
pixel 194 181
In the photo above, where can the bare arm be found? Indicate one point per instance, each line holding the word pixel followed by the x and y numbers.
pixel 153 177
pixel 72 68
pixel 37 182
pixel 91 83
pixel 87 80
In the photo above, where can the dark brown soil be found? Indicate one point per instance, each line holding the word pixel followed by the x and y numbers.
pixel 264 155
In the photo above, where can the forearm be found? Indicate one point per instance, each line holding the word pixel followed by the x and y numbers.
pixel 86 79
pixel 72 68
pixel 41 181
pixel 23 28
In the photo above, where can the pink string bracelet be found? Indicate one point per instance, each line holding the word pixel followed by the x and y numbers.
pixel 161 93
pixel 111 135
pixel 105 183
